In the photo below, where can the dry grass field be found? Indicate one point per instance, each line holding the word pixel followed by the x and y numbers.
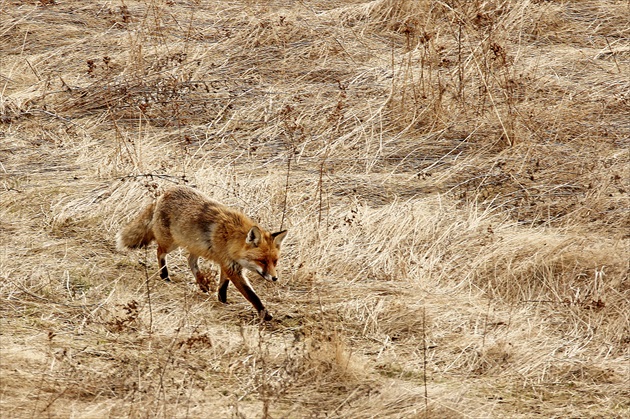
pixel 454 176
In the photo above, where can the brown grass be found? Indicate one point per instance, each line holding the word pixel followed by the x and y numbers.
pixel 454 177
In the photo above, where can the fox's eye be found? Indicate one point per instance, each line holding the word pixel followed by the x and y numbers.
pixel 263 262
pixel 275 261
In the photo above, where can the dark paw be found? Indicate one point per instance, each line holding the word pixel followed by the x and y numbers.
pixel 222 298
pixel 264 315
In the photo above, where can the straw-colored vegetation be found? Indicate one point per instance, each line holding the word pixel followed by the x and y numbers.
pixel 453 175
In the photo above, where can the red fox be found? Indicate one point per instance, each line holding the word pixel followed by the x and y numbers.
pixel 183 217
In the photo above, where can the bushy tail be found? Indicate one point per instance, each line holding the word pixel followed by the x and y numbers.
pixel 138 232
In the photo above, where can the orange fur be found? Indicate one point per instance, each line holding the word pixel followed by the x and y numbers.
pixel 183 217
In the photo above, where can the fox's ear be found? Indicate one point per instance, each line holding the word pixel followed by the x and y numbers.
pixel 278 237
pixel 253 237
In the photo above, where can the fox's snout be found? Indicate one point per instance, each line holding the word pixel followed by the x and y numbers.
pixel 268 276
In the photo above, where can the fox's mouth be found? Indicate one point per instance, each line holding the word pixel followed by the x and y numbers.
pixel 267 276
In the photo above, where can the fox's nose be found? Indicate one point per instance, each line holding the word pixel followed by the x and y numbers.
pixel 274 278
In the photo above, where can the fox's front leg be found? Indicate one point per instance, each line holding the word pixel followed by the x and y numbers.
pixel 223 286
pixel 245 288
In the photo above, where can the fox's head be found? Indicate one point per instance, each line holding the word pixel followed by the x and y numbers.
pixel 262 250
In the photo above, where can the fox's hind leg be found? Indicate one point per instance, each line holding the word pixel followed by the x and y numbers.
pixel 194 267
pixel 164 247
pixel 223 286
pixel 161 256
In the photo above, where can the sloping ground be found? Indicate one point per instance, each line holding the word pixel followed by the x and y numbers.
pixel 454 178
